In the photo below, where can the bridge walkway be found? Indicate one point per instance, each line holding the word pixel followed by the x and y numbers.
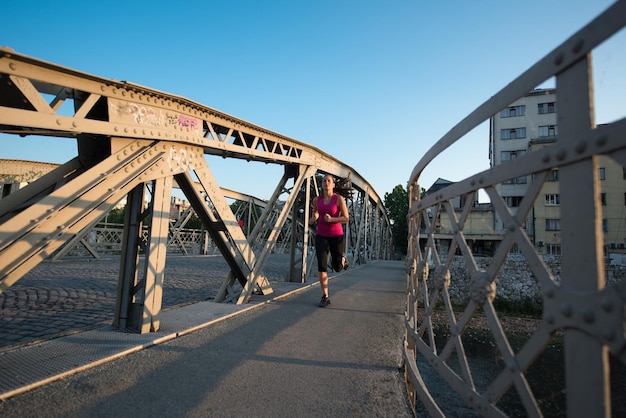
pixel 279 355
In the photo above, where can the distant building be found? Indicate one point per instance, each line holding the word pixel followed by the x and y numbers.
pixel 479 228
pixel 528 125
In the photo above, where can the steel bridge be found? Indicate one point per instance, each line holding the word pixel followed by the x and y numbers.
pixel 577 306
pixel 137 143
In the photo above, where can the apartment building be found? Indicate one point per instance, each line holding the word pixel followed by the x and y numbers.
pixel 530 124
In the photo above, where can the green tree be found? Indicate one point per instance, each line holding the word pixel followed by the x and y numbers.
pixel 397 208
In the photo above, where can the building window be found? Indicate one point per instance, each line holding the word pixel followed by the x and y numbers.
pixel 547 108
pixel 605 225
pixel 553 200
pixel 603 198
pixel 553 249
pixel 515 133
pixel 513 201
pixel 518 180
pixel 548 131
pixel 512 155
pixel 553 224
pixel 511 112
pixel 602 173
pixel 554 175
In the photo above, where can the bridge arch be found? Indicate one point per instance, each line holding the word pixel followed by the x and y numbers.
pixel 136 143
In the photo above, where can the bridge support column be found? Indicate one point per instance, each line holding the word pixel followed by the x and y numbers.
pixel 139 297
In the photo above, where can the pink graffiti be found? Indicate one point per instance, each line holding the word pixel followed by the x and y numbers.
pixel 187 122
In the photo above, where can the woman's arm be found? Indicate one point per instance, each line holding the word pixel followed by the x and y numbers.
pixel 314 213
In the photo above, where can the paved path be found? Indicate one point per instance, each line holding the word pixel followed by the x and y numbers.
pixel 279 356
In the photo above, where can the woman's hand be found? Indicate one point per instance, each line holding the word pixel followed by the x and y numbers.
pixel 327 217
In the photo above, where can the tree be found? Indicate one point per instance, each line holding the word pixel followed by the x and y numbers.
pixel 397 208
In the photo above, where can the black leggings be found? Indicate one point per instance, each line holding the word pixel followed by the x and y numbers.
pixel 336 247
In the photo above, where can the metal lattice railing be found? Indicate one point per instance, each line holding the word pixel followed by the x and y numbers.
pixel 570 359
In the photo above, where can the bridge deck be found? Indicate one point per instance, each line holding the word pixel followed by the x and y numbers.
pixel 278 355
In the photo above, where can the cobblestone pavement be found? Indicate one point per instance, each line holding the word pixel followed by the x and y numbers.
pixel 61 298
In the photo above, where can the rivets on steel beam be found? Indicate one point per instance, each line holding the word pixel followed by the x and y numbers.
pixel 512 365
pixel 606 304
pixel 601 140
pixel 608 335
pixel 13 66
pixel 558 60
pixel 511 225
pixel 580 147
pixel 578 46
pixel 74 124
pixel 549 319
pixel 545 158
pixel 550 292
pixel 59 122
pixel 588 315
pixel 561 154
pixel 566 309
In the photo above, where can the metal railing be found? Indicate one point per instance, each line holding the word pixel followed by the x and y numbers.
pixel 580 333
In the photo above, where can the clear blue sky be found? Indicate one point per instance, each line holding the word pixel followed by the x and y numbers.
pixel 374 83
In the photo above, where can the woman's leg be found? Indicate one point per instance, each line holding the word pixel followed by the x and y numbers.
pixel 321 249
pixel 337 250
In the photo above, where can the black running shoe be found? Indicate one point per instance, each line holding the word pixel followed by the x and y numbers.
pixel 324 302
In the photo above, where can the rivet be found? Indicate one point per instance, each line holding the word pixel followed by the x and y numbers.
pixel 550 292
pixel 580 147
pixel 578 46
pixel 550 319
pixel 601 140
pixel 589 316
pixel 566 309
pixel 561 154
pixel 545 158
pixel 606 304
pixel 59 122
pixel 558 60
pixel 12 66
pixel 74 124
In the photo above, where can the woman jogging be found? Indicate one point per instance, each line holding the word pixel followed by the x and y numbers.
pixel 331 212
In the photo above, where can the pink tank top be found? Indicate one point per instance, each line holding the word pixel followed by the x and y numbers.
pixel 326 229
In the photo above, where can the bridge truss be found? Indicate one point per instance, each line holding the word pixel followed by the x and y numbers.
pixel 578 306
pixel 136 143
